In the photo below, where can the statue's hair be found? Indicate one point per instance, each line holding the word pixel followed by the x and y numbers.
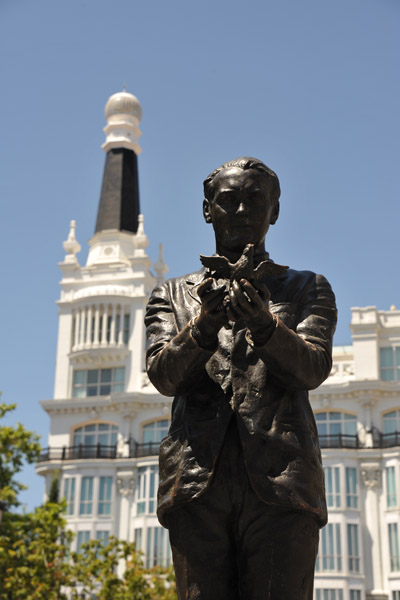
pixel 245 162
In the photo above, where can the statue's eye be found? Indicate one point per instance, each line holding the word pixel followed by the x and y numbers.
pixel 226 200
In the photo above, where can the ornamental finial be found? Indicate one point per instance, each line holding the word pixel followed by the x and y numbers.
pixel 71 245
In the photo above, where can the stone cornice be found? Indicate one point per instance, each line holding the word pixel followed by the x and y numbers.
pixel 361 390
pixel 128 404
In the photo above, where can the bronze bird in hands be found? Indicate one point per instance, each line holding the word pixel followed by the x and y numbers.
pixel 220 267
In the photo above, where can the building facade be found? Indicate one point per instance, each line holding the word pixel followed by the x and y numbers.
pixel 357 411
pixel 107 420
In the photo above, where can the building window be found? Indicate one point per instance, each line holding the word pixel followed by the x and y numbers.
pixel 69 494
pixel 396 595
pixel 332 484
pixel 390 363
pixel 352 545
pixel 97 382
pixel 329 552
pixel 83 538
pixel 391 492
pixel 85 507
pixel 391 422
pixel 104 507
pixel 334 423
pixel 356 595
pixel 394 547
pixel 138 540
pixel 351 487
pixel 146 491
pixel 154 543
pixel 329 594
pixel 103 537
pixel 155 431
pixel 96 433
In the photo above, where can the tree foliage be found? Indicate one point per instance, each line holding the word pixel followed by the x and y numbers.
pixel 17 445
pixel 33 551
pixel 95 572
pixel 35 561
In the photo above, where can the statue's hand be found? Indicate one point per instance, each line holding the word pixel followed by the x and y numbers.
pixel 250 303
pixel 213 313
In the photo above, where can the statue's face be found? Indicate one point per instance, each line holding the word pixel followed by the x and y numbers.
pixel 241 210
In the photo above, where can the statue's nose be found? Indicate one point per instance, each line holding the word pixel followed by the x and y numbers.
pixel 242 208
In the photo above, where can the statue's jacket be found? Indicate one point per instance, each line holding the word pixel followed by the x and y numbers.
pixel 265 387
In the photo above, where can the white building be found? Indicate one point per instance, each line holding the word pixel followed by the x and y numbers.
pixel 107 419
pixel 358 417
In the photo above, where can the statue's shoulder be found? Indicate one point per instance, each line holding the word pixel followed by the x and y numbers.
pixel 297 285
pixel 189 279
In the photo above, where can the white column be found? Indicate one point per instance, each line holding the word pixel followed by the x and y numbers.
pixel 78 341
pixel 104 326
pixel 89 326
pixel 371 476
pixel 121 326
pixel 82 328
pixel 113 323
pixel 96 324
pixel 76 315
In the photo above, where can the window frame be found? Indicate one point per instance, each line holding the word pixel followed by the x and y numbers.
pixel 147 424
pixel 393 541
pixel 87 489
pixel 146 490
pixel 353 547
pixel 333 475
pixel 116 383
pixel 331 538
pixel 107 502
pixel 69 493
pixel 394 353
pixel 352 500
pixel 352 419
pixel 96 433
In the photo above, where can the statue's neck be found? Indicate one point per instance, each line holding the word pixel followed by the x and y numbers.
pixel 260 253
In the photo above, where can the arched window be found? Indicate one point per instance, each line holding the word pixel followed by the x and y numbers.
pixel 155 431
pixel 96 433
pixel 337 429
pixel 391 421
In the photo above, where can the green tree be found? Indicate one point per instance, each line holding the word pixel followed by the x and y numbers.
pixel 35 563
pixel 95 574
pixel 17 445
pixel 33 550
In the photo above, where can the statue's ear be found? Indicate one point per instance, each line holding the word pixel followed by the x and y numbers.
pixel 275 213
pixel 206 211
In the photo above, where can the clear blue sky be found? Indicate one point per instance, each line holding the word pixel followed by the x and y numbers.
pixel 312 88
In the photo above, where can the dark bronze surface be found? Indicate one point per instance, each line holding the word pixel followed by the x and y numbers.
pixel 239 353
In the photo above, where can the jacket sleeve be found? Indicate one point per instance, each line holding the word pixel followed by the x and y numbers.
pixel 174 359
pixel 302 359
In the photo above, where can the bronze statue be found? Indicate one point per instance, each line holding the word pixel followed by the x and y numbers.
pixel 239 344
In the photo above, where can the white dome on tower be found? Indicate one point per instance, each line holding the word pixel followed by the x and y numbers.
pixel 123 103
pixel 123 113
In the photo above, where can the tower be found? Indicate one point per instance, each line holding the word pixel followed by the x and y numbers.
pixel 106 418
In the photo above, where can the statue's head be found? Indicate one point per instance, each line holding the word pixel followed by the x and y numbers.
pixel 245 163
pixel 241 201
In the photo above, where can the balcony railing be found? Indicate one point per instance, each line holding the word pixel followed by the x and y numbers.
pixel 339 440
pixel 387 440
pixel 84 452
pixel 135 450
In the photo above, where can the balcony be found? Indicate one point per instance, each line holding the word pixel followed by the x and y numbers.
pixel 339 440
pixel 387 440
pixel 99 451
